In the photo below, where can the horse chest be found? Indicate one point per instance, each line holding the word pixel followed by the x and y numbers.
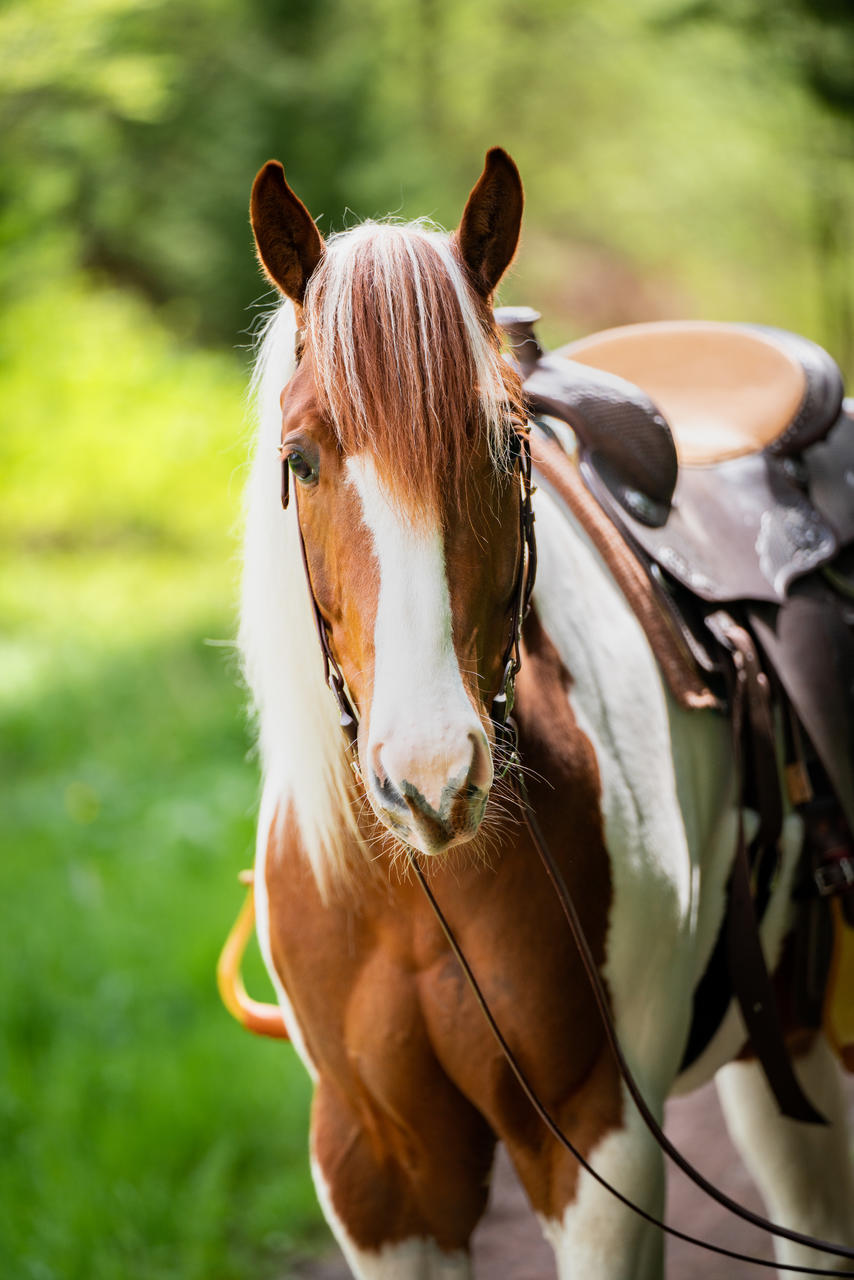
pixel 378 1000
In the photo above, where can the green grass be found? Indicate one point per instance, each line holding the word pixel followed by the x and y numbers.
pixel 143 1134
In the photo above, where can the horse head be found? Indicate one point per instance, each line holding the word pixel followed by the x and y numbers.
pixel 399 431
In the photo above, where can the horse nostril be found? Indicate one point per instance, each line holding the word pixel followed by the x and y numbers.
pixel 480 773
pixel 379 773
pixel 382 782
pixel 440 792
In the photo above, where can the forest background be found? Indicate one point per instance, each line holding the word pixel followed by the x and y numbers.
pixel 681 157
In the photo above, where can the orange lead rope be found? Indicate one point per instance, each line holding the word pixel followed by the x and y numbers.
pixel 263 1019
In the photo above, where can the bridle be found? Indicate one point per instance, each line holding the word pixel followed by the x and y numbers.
pixel 501 709
pixel 519 454
pixel 506 744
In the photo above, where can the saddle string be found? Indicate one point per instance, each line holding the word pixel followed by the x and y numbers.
pixel 556 1131
pixel 506 736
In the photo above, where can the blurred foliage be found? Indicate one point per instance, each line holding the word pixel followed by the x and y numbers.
pixel 139 442
pixel 812 40
pixel 144 1135
pixel 679 157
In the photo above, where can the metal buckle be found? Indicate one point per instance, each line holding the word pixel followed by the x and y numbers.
pixel 502 703
pixel 507 742
pixel 836 875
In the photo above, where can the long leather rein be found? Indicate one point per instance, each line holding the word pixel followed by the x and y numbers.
pixel 506 743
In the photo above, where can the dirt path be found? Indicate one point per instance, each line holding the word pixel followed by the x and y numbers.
pixel 508 1244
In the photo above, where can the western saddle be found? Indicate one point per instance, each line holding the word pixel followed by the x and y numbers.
pixel 724 455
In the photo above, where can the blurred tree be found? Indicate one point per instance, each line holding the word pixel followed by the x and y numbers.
pixel 658 140
pixel 813 39
pixel 131 133
pixel 811 43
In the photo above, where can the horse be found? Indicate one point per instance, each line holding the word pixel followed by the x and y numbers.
pixel 395 570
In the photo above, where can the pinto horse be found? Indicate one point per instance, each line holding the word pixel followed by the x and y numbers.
pixel 382 385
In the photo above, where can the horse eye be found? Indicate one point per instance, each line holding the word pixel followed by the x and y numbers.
pixel 301 467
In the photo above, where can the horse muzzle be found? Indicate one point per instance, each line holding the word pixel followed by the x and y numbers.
pixel 430 797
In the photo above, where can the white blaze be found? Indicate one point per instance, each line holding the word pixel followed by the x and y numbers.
pixel 421 717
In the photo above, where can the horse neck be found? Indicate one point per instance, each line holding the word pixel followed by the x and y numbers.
pixel 589 621
pixel 663 772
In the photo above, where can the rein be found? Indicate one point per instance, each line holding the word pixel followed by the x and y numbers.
pixel 506 741
pixel 557 1133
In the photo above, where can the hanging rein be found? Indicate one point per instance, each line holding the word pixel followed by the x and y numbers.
pixel 506 743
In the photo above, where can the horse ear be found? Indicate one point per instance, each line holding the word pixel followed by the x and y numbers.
pixel 288 243
pixel 489 230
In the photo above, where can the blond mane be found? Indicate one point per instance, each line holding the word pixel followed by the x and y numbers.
pixel 406 359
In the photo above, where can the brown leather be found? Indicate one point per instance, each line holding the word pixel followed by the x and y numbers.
pixel 726 391
pixel 745 526
pixel 619 429
pixel 741 530
pixel 752 719
pixel 812 651
pixel 830 470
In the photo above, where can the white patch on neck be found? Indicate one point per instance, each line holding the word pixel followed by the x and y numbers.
pixel 420 711
pixel 620 704
pixel 269 804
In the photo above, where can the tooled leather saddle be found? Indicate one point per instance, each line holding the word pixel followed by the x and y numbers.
pixel 724 454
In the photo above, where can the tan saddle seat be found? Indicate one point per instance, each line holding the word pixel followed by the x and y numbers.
pixel 725 390
pixel 763 495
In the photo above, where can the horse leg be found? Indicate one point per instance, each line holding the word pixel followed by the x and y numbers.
pixel 803 1171
pixel 598 1238
pixel 402 1204
pixel 593 1236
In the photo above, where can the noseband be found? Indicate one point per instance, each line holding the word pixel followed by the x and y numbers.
pixel 502 703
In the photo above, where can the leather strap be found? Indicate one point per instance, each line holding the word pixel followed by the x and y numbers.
pixel 526 572
pixel 751 717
